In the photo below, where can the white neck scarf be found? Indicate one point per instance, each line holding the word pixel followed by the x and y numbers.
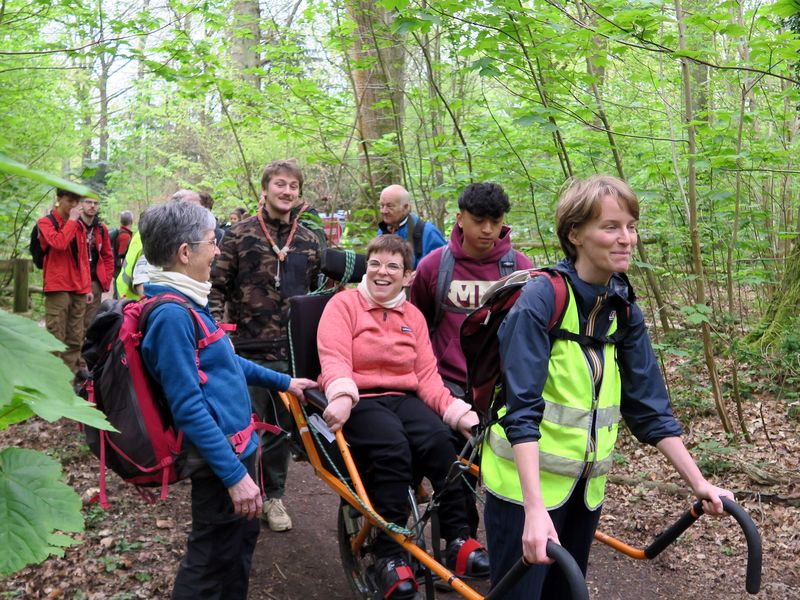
pixel 196 290
pixel 393 303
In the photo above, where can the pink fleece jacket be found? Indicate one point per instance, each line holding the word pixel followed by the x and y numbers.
pixel 365 346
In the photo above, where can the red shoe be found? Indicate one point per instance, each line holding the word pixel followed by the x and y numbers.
pixel 395 579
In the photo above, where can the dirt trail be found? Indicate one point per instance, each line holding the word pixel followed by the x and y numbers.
pixel 303 564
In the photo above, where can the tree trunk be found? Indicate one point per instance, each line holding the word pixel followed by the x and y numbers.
pixel 245 36
pixel 697 258
pixel 378 56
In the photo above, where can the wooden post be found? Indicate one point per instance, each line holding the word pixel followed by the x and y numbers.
pixel 21 294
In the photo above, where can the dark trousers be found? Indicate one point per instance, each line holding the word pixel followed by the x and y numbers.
pixel 275 449
pixel 504 521
pixel 469 482
pixel 220 547
pixel 389 437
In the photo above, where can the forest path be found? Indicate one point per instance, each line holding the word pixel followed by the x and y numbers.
pixel 303 564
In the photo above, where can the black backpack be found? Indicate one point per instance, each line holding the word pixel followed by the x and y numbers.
pixel 38 251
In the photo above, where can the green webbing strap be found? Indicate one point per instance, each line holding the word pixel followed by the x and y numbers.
pixel 389 526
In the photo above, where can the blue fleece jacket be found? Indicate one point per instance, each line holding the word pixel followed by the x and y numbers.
pixel 209 412
pixel 525 352
pixel 432 238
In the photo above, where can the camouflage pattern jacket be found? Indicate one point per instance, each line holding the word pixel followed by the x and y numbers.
pixel 244 290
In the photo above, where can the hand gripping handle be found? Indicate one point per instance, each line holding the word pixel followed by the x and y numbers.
pixel 753 538
pixel 565 562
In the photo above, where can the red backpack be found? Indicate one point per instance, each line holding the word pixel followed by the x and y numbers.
pixel 146 451
pixel 479 334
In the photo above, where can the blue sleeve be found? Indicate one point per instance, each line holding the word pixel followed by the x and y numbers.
pixel 168 352
pixel 645 403
pixel 525 352
pixel 263 377
pixel 432 238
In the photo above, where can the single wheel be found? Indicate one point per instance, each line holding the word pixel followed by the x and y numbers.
pixel 357 566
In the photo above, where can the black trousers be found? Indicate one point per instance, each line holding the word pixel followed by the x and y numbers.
pixel 504 521
pixel 220 547
pixel 390 436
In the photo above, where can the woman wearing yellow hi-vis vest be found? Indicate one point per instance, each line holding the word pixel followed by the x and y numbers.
pixel 545 464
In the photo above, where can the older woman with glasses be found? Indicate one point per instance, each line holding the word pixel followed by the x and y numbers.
pixel 206 390
pixel 384 390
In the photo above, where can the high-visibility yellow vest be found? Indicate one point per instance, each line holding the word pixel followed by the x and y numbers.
pixel 124 281
pixel 578 428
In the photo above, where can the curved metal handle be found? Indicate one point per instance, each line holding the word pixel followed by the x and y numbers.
pixel 571 570
pixel 753 538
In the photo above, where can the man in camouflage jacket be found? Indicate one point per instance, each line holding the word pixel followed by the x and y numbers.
pixel 265 260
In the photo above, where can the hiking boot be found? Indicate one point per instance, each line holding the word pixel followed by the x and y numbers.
pixel 275 515
pixel 395 579
pixel 467 558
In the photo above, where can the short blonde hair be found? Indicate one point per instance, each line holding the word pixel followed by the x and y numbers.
pixel 580 203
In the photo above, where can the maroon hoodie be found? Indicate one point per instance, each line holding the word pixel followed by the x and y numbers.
pixel 471 277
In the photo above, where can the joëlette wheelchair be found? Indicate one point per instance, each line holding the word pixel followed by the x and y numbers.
pixel 357 520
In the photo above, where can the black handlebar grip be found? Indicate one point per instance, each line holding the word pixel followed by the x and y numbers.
pixel 564 560
pixel 753 538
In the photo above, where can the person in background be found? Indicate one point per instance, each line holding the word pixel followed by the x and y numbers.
pixel 237 214
pixel 207 201
pixel 545 463
pixel 478 254
pixel 264 261
pixel 135 270
pixel 226 500
pixel 397 218
pixel 101 256
pixel 67 278
pixel 120 240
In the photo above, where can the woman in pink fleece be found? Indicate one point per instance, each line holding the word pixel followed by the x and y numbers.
pixel 383 388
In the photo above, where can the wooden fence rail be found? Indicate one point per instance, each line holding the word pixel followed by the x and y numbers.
pixel 21 268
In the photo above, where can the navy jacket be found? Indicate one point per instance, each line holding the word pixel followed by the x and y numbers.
pixel 525 351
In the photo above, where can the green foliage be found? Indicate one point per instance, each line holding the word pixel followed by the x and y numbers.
pixel 33 380
pixel 36 509
pixel 714 458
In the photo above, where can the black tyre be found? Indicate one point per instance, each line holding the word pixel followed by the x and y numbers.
pixel 357 566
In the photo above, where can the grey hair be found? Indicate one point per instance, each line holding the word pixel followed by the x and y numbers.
pixel 185 195
pixel 165 227
pixel 126 217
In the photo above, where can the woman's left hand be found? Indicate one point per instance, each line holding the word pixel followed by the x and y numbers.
pixel 711 496
pixel 296 387
pixel 337 412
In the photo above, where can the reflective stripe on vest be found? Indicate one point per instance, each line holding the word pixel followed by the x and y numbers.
pixel 567 448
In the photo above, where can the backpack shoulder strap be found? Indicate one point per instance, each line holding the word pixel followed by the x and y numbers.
pixel 560 290
pixel 418 228
pixel 507 263
pixel 445 276
pixel 53 220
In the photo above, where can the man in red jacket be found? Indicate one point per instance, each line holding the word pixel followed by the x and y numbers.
pixel 67 279
pixel 101 255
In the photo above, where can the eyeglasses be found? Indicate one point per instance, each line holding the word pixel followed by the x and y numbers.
pixel 211 242
pixel 392 268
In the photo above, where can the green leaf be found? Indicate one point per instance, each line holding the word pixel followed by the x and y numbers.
pixel 35 504
pixel 30 374
pixel 8 165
